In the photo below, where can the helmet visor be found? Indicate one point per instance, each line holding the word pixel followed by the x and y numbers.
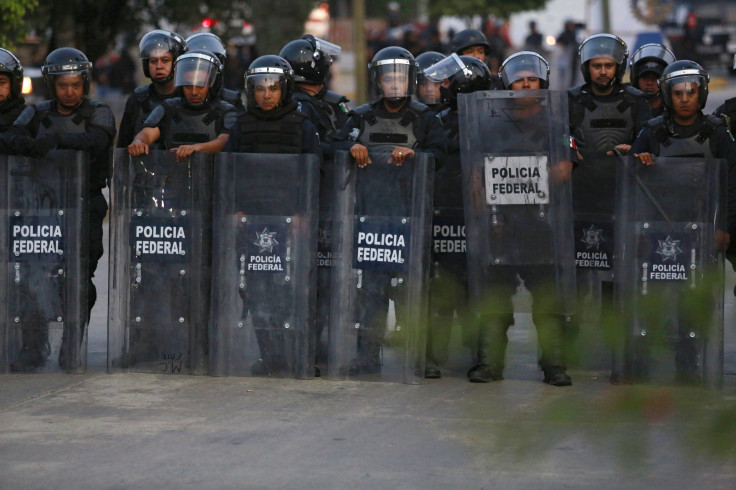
pixel 684 83
pixel 159 41
pixel 196 71
pixel 445 68
pixel 602 46
pixel 523 66
pixel 396 78
pixel 326 47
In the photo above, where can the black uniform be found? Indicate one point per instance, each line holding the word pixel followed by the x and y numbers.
pixel 10 109
pixel 327 110
pixel 139 106
pixel 182 124
pixel 414 126
pixel 281 130
pixel 90 128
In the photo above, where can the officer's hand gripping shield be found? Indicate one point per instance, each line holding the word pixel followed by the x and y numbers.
pixel 380 256
pixel 44 249
pixel 160 263
pixel 669 269
pixel 516 185
pixel 264 265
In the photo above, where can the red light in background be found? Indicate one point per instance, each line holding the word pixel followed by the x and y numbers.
pixel 207 22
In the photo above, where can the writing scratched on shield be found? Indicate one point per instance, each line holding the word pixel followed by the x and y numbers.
pixel 171 363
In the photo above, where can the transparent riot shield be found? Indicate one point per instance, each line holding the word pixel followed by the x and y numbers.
pixel 160 263
pixel 44 250
pixel 593 202
pixel 516 184
pixel 669 269
pixel 380 254
pixel 264 266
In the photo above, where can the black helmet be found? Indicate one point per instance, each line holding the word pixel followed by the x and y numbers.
pixel 394 59
pixel 650 58
pixel 466 74
pixel 468 38
pixel 270 68
pixel 310 57
pixel 10 65
pixel 603 46
pixel 201 68
pixel 66 61
pixel 159 40
pixel 684 71
pixel 208 42
pixel 524 64
pixel 424 61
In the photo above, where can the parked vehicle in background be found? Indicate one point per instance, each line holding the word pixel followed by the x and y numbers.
pixel 703 31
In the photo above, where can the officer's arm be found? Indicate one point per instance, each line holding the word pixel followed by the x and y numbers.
pixel 643 147
pixel 310 139
pixel 345 137
pixel 145 138
pixel 434 140
pixel 126 133
pixel 94 139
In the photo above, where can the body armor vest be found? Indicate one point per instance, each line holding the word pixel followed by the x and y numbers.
pixel 697 145
pixel 607 123
pixel 148 99
pixel 187 126
pixel 384 134
pixel 283 135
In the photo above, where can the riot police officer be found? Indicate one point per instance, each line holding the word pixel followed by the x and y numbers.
pixel 647 64
pixel 12 102
pixel 684 131
pixel 428 91
pixel 159 50
pixel 271 124
pixel 399 126
pixel 70 120
pixel 311 59
pixel 195 122
pixel 605 116
pixel 210 42
pixel 472 42
pixel 449 285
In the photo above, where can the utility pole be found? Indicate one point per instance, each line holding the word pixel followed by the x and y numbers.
pixel 361 64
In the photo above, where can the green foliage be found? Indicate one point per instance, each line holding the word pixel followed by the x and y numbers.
pixel 13 13
pixel 499 8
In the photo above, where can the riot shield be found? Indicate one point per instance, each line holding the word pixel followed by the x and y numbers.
pixel 43 243
pixel 669 269
pixel 518 215
pixel 264 266
pixel 160 263
pixel 380 256
pixel 593 202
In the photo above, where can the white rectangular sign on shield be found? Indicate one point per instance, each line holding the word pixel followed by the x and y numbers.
pixel 516 179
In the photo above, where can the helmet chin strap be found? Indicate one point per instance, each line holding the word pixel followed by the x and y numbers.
pixel 395 102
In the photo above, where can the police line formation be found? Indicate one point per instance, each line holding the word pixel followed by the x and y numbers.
pixel 291 236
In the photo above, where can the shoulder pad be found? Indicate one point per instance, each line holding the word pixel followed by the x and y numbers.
pixel 361 111
pixel 101 115
pixel 26 117
pixel 443 113
pixel 43 106
pixel 655 123
pixel 729 107
pixel 335 98
pixel 142 93
pixel 714 121
pixel 633 91
pixel 418 107
pixel 575 92
pixel 300 95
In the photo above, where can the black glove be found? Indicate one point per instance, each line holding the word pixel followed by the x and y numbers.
pixel 21 144
pixel 43 144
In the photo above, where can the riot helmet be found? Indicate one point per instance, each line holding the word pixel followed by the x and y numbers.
pixel 650 58
pixel 522 65
pixel 684 71
pixel 267 71
pixel 10 66
pixel 428 91
pixel 310 57
pixel 468 38
pixel 603 46
pixel 394 73
pixel 466 74
pixel 208 42
pixel 66 61
pixel 157 42
pixel 199 68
